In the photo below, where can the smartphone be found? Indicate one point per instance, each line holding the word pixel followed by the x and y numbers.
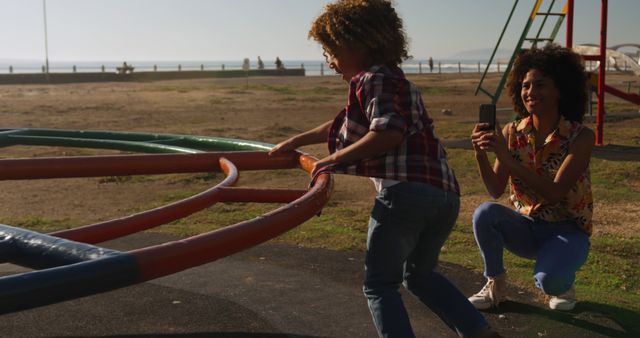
pixel 488 115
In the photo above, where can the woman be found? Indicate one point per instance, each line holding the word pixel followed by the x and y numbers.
pixel 544 156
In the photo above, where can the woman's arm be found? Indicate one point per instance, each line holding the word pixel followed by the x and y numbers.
pixel 318 134
pixel 494 179
pixel 574 164
pixel 371 144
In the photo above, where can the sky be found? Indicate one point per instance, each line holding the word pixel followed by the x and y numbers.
pixel 159 30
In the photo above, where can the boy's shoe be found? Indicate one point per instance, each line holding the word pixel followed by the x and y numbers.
pixel 491 294
pixel 565 301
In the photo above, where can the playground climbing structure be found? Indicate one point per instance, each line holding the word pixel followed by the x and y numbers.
pixel 599 54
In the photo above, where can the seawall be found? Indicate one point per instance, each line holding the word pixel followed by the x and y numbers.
pixel 54 78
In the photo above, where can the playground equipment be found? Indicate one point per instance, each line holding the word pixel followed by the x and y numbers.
pixel 599 54
pixel 71 267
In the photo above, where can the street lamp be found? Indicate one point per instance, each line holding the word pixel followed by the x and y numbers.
pixel 46 42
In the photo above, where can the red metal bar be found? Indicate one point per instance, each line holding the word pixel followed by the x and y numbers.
pixel 619 93
pixel 569 19
pixel 602 72
pixel 591 57
pixel 168 258
pixel 228 194
pixel 140 164
pixel 104 231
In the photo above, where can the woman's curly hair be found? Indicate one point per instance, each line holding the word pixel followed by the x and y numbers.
pixel 564 67
pixel 368 26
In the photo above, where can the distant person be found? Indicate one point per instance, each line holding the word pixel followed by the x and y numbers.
pixel 279 64
pixel 385 134
pixel 125 68
pixel 260 63
pixel 430 64
pixel 246 64
pixel 544 158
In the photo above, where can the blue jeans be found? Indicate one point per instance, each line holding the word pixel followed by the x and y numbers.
pixel 409 224
pixel 559 248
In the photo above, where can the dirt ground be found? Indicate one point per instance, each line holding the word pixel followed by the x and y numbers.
pixel 261 109
pixel 267 109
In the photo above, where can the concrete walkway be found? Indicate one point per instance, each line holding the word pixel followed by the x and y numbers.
pixel 275 290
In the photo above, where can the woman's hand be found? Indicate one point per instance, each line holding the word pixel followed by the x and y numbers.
pixel 476 136
pixel 493 176
pixel 492 141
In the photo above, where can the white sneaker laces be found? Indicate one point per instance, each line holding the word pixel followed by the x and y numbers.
pixel 489 291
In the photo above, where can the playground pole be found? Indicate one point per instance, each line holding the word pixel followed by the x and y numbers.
pixel 569 18
pixel 602 70
pixel 602 58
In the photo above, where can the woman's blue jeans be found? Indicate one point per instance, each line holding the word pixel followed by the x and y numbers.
pixel 409 224
pixel 559 248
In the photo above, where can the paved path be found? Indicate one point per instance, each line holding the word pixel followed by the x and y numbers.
pixel 274 291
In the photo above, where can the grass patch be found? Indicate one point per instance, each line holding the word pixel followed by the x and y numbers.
pixel 336 228
pixel 285 90
pixel 615 181
pixel 621 132
pixel 321 90
pixel 607 284
pixel 218 216
pixel 451 130
pixel 40 224
pixel 432 90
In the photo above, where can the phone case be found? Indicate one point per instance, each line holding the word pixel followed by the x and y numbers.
pixel 488 115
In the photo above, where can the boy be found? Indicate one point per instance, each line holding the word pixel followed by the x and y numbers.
pixel 385 133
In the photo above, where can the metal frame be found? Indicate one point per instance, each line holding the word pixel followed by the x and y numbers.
pixel 73 268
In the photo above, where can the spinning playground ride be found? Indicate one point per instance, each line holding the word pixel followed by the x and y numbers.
pixel 70 266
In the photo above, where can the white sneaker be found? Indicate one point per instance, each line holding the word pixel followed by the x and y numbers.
pixel 565 301
pixel 491 294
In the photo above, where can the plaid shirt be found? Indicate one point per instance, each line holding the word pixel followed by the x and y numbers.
pixel 383 99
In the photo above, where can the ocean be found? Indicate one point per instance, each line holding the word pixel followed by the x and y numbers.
pixel 312 67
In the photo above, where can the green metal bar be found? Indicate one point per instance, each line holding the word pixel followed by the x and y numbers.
pixel 495 49
pixel 544 21
pixel 98 144
pixel 486 92
pixel 182 141
pixel 525 31
pixel 559 22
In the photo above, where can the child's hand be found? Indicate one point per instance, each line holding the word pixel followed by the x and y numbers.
pixel 283 147
pixel 322 164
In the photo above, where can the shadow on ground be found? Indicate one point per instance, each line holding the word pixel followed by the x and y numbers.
pixel 597 319
pixel 278 290
pixel 614 152
pixel 210 335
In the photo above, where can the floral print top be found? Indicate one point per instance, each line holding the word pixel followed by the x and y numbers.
pixel 577 205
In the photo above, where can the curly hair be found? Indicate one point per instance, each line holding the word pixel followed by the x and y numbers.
pixel 564 67
pixel 368 26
